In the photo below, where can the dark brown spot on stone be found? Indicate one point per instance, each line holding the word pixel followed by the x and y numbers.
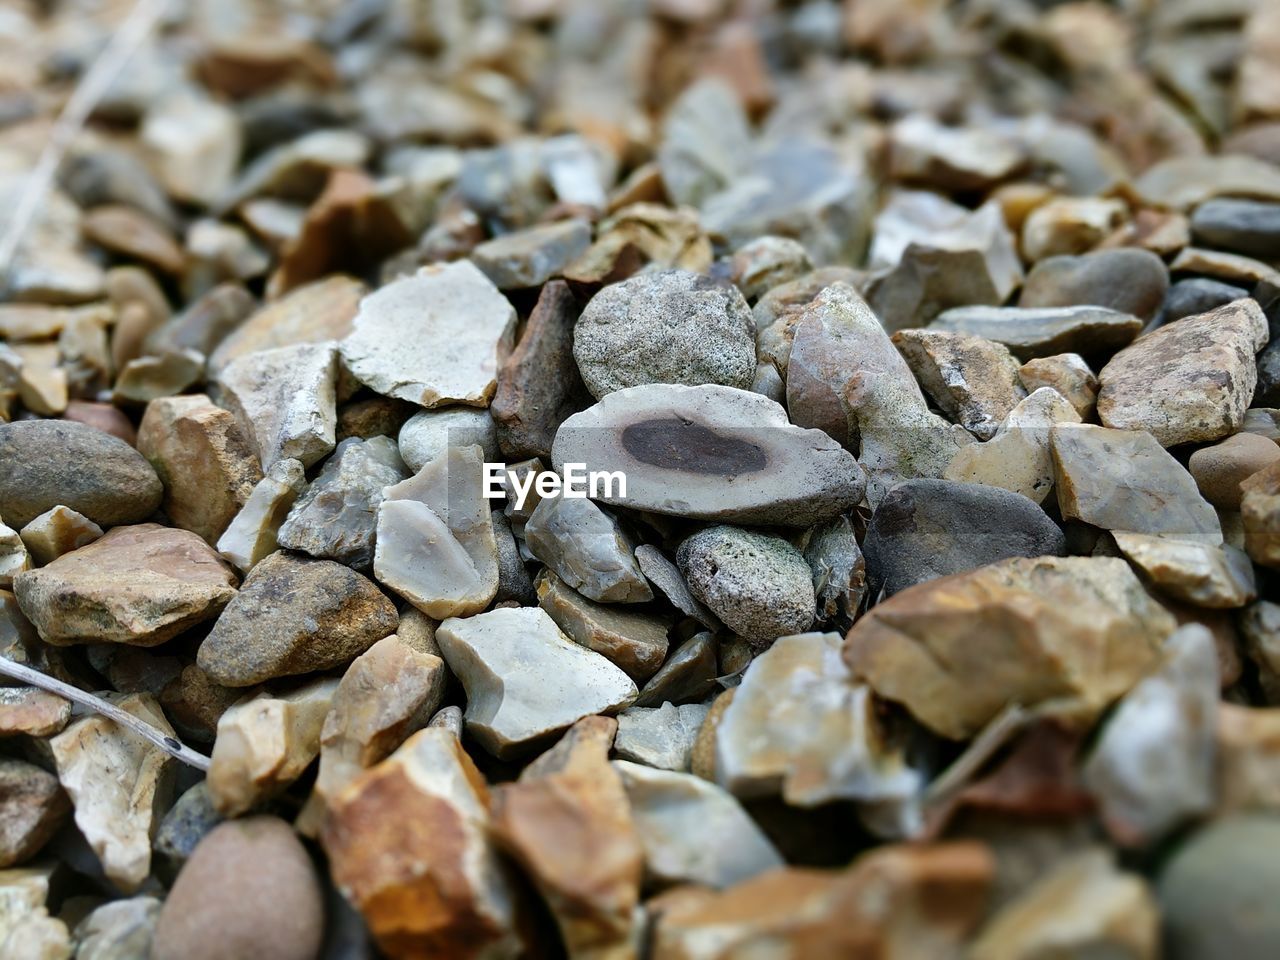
pixel 675 443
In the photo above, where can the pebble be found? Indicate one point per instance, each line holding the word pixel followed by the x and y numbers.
pixel 32 809
pixel 1219 469
pixel 1077 627
pixel 1127 280
pixel 42 383
pixel 1183 182
pixel 587 549
pixel 692 831
pixel 839 571
pixel 251 534
pixel 334 519
pixel 759 585
pixel 134 235
pixel 14 558
pixel 249 889
pixel 953 158
pixel 188 821
pixel 676 445
pixel 767 262
pixel 1217 577
pixel 1260 515
pixel 194 146
pixel 118 930
pixel 636 642
pixel 294 615
pixel 532 256
pixel 150 378
pixel 32 712
pixel 666 577
pixel 285 397
pixel 705 142
pixel 1250 227
pixel 138 585
pixel 669 326
pixel 50 463
pixel 428 434
pixel 1032 332
pixel 434 338
pixel 688 675
pixel 1197 295
pixel 925 529
pixel 1231 268
pixel 1189 381
pixel 1068 374
pixel 973 381
pixel 1069 225
pixel 101 416
pixel 659 737
pixel 525 680
pixel 204 458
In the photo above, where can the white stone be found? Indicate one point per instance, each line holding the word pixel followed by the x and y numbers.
pixel 660 737
pixel 251 535
pixel 194 145
pixel 13 556
pixel 426 435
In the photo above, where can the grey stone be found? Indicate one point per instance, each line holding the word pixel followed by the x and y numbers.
pixel 1032 332
pixel 636 642
pixel 532 256
pixel 188 822
pixel 660 737
pixel 1196 295
pixel 1251 227
pixel 666 576
pixel 839 571
pixel 706 142
pixel 765 262
pixel 118 930
pixel 689 675
pixel 1127 280
pixel 428 434
pixel 586 548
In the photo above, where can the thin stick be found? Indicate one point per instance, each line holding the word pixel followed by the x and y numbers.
pixel 91 88
pixel 170 745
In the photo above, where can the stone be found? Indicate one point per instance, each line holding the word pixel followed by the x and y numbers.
pixel 1217 577
pixel 1230 268
pixel 1152 767
pixel 692 831
pixel 837 336
pixel 32 809
pixel 688 675
pixel 635 642
pixel 32 712
pixel 1083 905
pixel 1066 373
pixel 659 737
pixel 188 821
pixel 1189 381
pixel 50 463
pixel 373 416
pixel 1260 516
pixel 119 784
pixel 925 529
pixel 204 458
pixel 532 256
pixel 677 446
pixel 118 930
pixel 1250 227
pixel 766 262
pixel 1017 458
pixel 427 434
pixel 285 397
pixel 1076 628
pixel 150 378
pixel 435 543
pixel 1197 295
pixel 705 143
pixel 1033 332
pixel 37 936
pixel 1069 225
pixel 23 894
pixel 249 888
pixel 758 585
pixel 1126 280
pixel 514 582
pixel 103 417
pixel 194 145
pixel 669 326
pixel 1213 891
pixel 335 518
pixel 587 549
pixel 140 585
pixel 952 158
pixel 799 727
pixel 251 534
pixel 1124 480
pixel 525 680
pixel 264 744
pixel 1259 626
pixel 539 385
pixel 973 381
pixel 14 558
pixel 1246 768
pixel 567 822
pixel 298 166
pixel 387 694
pixel 1221 468
pixel 42 381
pixel 295 615
pixel 434 338
pixel 134 235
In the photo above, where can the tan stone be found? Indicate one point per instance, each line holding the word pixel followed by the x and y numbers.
pixel 32 711
pixel 42 382
pixel 251 534
pixel 140 585
pixel 972 380
pixel 1205 575
pixel 1260 513
pixel 1220 469
pixel 57 531
pixel 1069 374
pixel 134 235
pixel 1069 225
pixel 164 375
pixel 636 642
pixel 32 809
pixel 14 557
pixel 1247 758
pixel 955 651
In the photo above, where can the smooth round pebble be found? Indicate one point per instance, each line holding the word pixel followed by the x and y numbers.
pixel 759 585
pixel 248 891
pixel 427 435
pixel 670 326
pixel 1186 298
pixel 1220 469
pixel 1128 279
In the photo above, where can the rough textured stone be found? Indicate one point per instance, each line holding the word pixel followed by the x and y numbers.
pixel 587 549
pixel 32 808
pixel 1032 332
pixel 660 737
pixel 56 532
pixel 433 338
pixel 525 680
pixel 636 642
pixel 1068 374
pixel 118 930
pixel 251 535
pixel 973 381
pixel 335 518
pixel 532 256
pixel 1072 627
pixel 766 262
pixel 1187 382
pixel 1200 574
pixel 759 585
pixel 49 463
pixel 671 326
pixel 140 585
pixel 924 529
pixel 1127 280
pixel 427 435
pixel 249 889
pixel 711 453
pixel 1220 469
pixel 205 460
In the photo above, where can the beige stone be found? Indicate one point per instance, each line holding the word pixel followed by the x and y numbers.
pixel 42 381
pixel 57 531
pixel 636 642
pixel 14 557
pixel 1220 469
pixel 1260 513
pixel 32 711
pixel 1069 374
pixel 251 534
pixel 1069 225
pixel 1201 574
pixel 972 380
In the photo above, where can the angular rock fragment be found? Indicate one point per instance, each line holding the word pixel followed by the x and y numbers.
pixel 1229 268
pixel 433 338
pixel 1204 575
pixel 973 381
pixel 188 822
pixel 264 744
pixel 636 642
pixel 294 615
pixel 14 558
pixel 119 783
pixel 711 453
pixel 1187 382
pixel 56 532
pixel 1127 280
pixel 251 534
pixel 1260 515
pixel 1067 225
pixel 150 378
pixel 693 831
pixel 421 896
pixel 531 257
pixel 767 262
pixel 587 549
pixel 1246 767
pixel 435 541
pixel 42 381
pixel 118 929
pixel 32 808
pixel 204 458
pixel 525 680
pixel 659 737
pixel 689 674
pixel 336 517
pixel 706 142
pixel 666 576
pixel 194 144
pixel 958 650
pixel 839 571
pixel 140 585
pixel 1068 374
pixel 285 397
pixel 32 711
pixel 426 435
pixel 133 235
pixel 954 158
pixel 1032 332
